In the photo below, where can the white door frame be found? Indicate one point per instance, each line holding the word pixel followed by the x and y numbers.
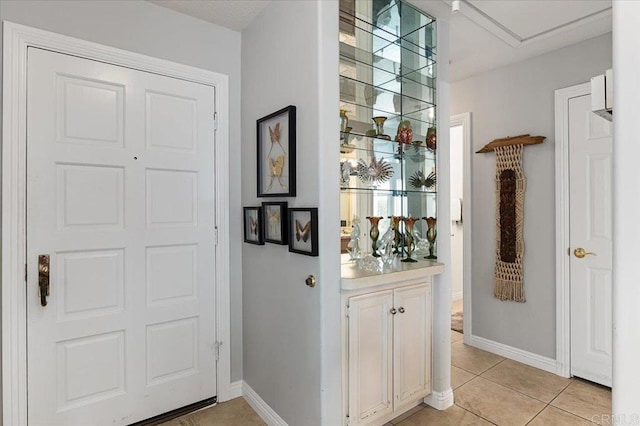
pixel 464 120
pixel 17 38
pixel 563 299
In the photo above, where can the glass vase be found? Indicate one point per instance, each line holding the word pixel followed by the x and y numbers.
pixel 408 238
pixel 379 122
pixel 432 233
pixel 374 233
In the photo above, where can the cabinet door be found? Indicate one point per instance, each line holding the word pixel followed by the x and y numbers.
pixel 370 357
pixel 412 344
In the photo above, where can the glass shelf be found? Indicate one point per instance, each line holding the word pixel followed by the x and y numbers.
pixel 382 146
pixel 388 192
pixel 387 66
pixel 408 100
pixel 406 36
pixel 422 67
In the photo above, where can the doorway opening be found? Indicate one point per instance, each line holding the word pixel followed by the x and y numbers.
pixel 460 167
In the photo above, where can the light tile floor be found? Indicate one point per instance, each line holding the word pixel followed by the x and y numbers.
pixel 488 390
pixel 231 413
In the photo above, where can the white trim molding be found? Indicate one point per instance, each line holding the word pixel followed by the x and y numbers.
pixel 440 400
pixel 261 407
pixel 235 390
pixel 17 39
pixel 464 120
pixel 563 300
pixel 525 357
pixel 493 26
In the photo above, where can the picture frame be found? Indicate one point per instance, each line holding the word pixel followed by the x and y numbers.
pixel 303 231
pixel 253 225
pixel 276 154
pixel 275 218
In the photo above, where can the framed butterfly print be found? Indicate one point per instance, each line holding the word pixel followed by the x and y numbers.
pixel 277 154
pixel 274 217
pixel 303 231
pixel 253 225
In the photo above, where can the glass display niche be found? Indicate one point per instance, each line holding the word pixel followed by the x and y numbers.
pixel 387 80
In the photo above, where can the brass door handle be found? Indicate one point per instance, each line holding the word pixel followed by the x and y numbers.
pixel 43 278
pixel 580 253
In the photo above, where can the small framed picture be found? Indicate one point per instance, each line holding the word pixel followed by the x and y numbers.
pixel 253 225
pixel 303 231
pixel 274 217
pixel 276 168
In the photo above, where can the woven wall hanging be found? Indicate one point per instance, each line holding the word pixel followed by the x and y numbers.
pixel 510 186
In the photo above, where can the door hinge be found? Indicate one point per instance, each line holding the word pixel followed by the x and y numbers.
pixel 26 271
pixel 215 121
pixel 218 344
pixel 348 421
pixel 348 311
pixel 215 235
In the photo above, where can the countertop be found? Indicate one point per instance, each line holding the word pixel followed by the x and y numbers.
pixel 354 278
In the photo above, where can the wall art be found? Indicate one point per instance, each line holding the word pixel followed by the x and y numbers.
pixel 276 167
pixel 274 217
pixel 253 225
pixel 303 231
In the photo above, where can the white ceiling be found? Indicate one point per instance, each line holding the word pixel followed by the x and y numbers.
pixel 486 34
pixel 232 14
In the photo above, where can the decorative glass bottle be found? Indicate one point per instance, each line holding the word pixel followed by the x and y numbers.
pixel 374 233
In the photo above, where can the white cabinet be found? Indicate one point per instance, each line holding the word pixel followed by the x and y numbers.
pixel 389 352
pixel 412 344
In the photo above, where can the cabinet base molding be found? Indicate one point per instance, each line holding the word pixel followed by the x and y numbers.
pixel 261 407
pixel 440 400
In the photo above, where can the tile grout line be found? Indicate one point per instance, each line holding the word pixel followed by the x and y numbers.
pixel 477 415
pixel 564 389
pixel 573 414
pixel 509 389
pixel 538 413
pixel 521 393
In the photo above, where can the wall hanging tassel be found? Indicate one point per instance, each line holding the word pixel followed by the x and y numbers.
pixel 510 187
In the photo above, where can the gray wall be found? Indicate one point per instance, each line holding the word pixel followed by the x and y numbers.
pixel 281 317
pixel 152 30
pixel 509 101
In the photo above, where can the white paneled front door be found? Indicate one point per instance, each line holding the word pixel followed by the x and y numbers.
pixel 120 195
pixel 590 161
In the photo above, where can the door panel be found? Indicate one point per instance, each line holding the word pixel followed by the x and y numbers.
pixel 590 157
pixel 412 343
pixel 370 356
pixel 120 194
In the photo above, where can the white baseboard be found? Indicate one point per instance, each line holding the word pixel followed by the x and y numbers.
pixel 440 400
pixel 235 390
pixel 262 408
pixel 528 358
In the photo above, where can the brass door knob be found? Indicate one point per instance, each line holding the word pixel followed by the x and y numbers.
pixel 580 253
pixel 310 281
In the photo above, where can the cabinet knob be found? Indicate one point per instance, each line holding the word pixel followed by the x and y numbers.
pixel 393 311
pixel 401 309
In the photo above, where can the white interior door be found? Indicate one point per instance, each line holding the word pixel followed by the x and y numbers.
pixel 590 175
pixel 120 184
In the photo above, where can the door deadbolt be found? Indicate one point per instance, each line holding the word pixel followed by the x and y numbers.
pixel 43 278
